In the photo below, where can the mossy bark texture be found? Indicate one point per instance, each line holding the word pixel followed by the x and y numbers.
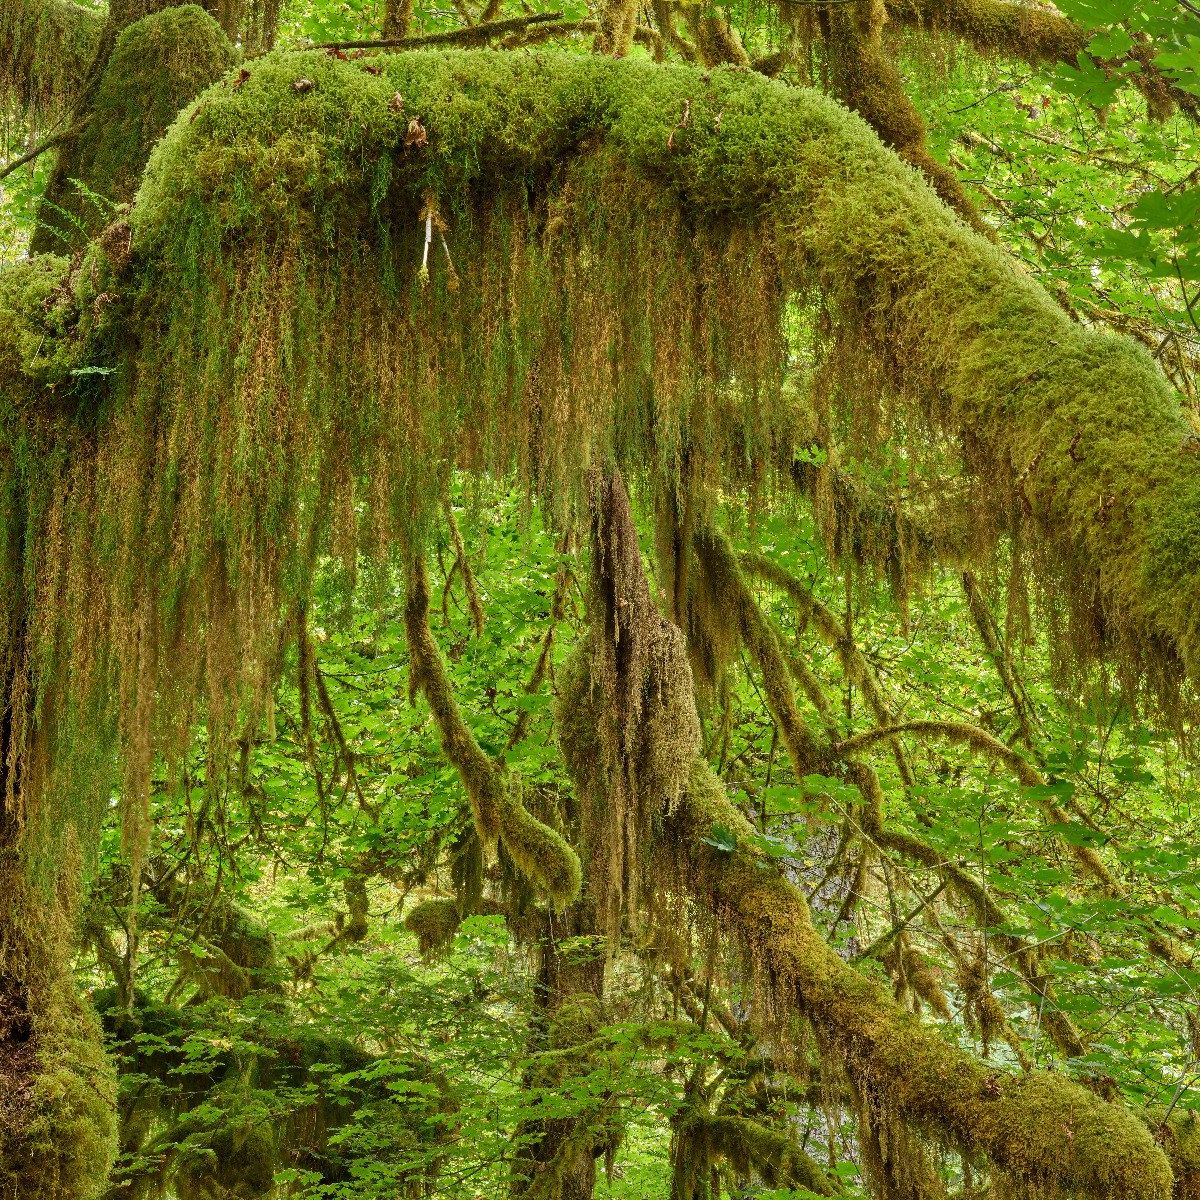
pixel 1080 424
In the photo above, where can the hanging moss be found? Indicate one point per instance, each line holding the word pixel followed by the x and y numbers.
pixel 434 922
pixel 46 47
pixel 612 289
pixel 290 315
pixel 156 66
pixel 754 1149
pixel 709 1149
pixel 1025 31
pixel 626 717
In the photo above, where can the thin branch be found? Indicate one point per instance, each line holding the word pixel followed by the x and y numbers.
pixel 451 37
pixel 38 151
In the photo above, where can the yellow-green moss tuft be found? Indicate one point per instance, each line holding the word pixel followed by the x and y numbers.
pixel 434 922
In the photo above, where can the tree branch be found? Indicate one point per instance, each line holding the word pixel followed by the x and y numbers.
pixel 472 35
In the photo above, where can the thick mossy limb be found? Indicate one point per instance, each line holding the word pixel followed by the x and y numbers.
pixel 1080 423
pixel 46 48
pixel 156 66
pixel 541 853
pixel 1036 34
pixel 427 674
pixel 1032 33
pixel 1039 1130
pixel 754 1149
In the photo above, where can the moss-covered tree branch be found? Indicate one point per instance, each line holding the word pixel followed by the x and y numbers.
pixel 1037 1129
pixel 539 851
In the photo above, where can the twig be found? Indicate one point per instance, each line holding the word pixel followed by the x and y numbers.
pixel 899 927
pixel 472 33
pixel 37 151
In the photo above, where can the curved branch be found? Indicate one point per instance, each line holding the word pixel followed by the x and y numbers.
pixel 1036 34
pixel 1029 32
pixel 958 732
pixel 831 631
pixel 866 79
pixel 1038 1128
pixel 539 851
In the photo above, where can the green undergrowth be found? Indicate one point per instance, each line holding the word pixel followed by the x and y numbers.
pixel 227 1116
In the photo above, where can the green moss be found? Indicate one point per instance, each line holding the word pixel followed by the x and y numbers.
pixel 157 65
pixel 57 1088
pixel 254 1110
pixel 575 1020
pixel 1180 1139
pixel 434 922
pixel 61 1146
pixel 46 47
pixel 618 292
pixel 541 853
pixel 33 320
pixel 1024 31
pixel 753 1149
pixel 955 321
